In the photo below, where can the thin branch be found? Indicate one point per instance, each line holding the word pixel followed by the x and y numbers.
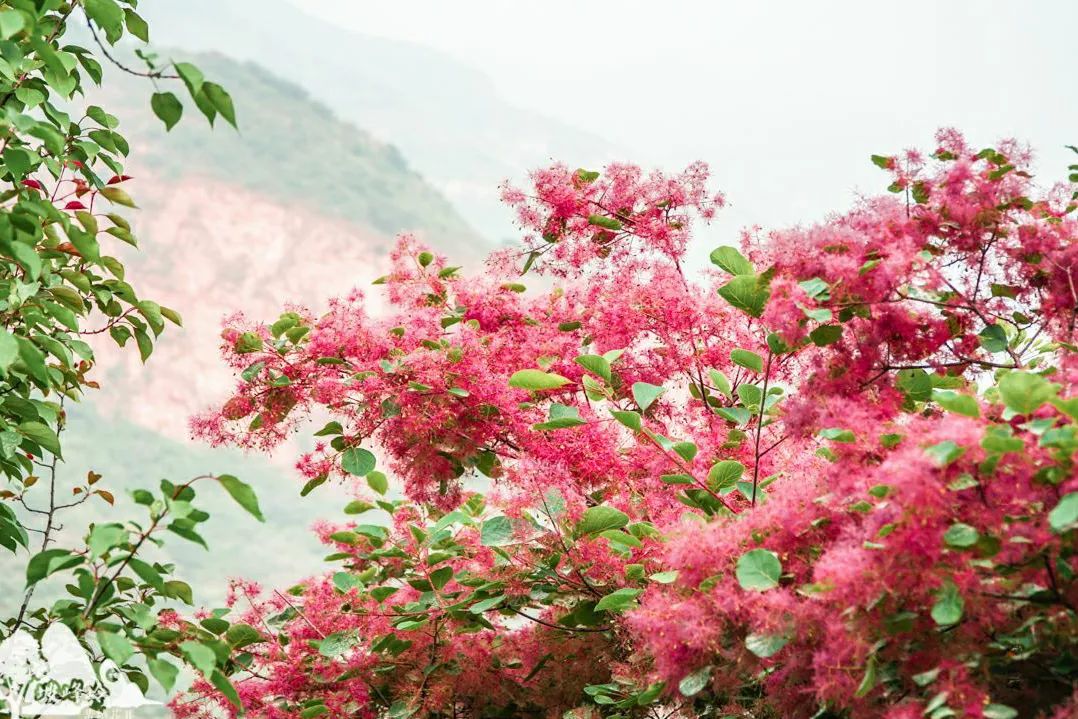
pixel 760 427
pixel 153 75
pixel 557 626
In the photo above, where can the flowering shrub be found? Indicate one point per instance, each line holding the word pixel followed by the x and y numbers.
pixel 833 476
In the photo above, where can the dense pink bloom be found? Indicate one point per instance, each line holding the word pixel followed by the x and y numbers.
pixel 839 407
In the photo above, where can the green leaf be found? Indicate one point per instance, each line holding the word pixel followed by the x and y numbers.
pixel 868 681
pixel 118 196
pixel 686 450
pixel 599 519
pixel 561 417
pixel 104 537
pixel 496 532
pixel 838 434
pixel 9 350
pixel 243 494
pixel 42 435
pixel 724 474
pixel 107 15
pixel 1024 392
pixel 961 535
pixel 945 452
pixel 608 223
pixel 536 380
pixel 486 604
pixel 816 288
pixel 645 394
pixel 765 645
pixel 748 293
pixel 759 570
pixel 147 573
pixel 11 22
pixel 949 605
pixel 49 562
pixel 200 656
pixel 338 643
pixel 618 601
pixel 441 576
pixel 957 403
pixel 221 101
pixel 313 484
pixel 357 461
pixel 136 25
pixel 826 335
pixel 665 577
pixel 737 415
pixel 993 338
pixel 191 76
pixel 882 162
pixel 915 384
pixel 179 590
pixel 115 646
pixel 729 259
pixel 629 419
pixel 378 482
pixel 694 683
pixel 1065 514
pixel 999 711
pixel 224 685
pixel 164 672
pixel 597 365
pixel 242 635
pixel 747 359
pixel 167 107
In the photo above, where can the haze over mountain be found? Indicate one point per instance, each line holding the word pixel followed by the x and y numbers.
pixel 448 119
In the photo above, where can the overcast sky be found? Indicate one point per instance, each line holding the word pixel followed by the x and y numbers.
pixel 792 95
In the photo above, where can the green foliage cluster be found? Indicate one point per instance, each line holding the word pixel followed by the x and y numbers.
pixel 61 189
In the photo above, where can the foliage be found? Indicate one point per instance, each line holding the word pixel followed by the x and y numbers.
pixel 833 477
pixel 63 187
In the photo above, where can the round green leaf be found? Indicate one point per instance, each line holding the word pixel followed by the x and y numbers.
pixel 357 461
pixel 1065 514
pixel 759 570
pixel 601 518
pixel 167 107
pixel 961 535
pixel 694 683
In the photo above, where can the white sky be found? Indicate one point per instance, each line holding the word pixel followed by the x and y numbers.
pixel 786 100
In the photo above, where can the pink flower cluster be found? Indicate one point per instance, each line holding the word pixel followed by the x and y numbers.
pixel 863 433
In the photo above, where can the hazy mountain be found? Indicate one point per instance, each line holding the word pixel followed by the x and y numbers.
pixel 447 118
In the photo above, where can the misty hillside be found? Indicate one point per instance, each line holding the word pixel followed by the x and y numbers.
pixel 447 118
pixel 289 148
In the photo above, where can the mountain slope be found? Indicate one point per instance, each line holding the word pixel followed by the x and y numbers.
pixel 447 118
pixel 290 148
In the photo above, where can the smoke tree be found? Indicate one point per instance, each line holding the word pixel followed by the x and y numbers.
pixel 62 213
pixel 831 476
